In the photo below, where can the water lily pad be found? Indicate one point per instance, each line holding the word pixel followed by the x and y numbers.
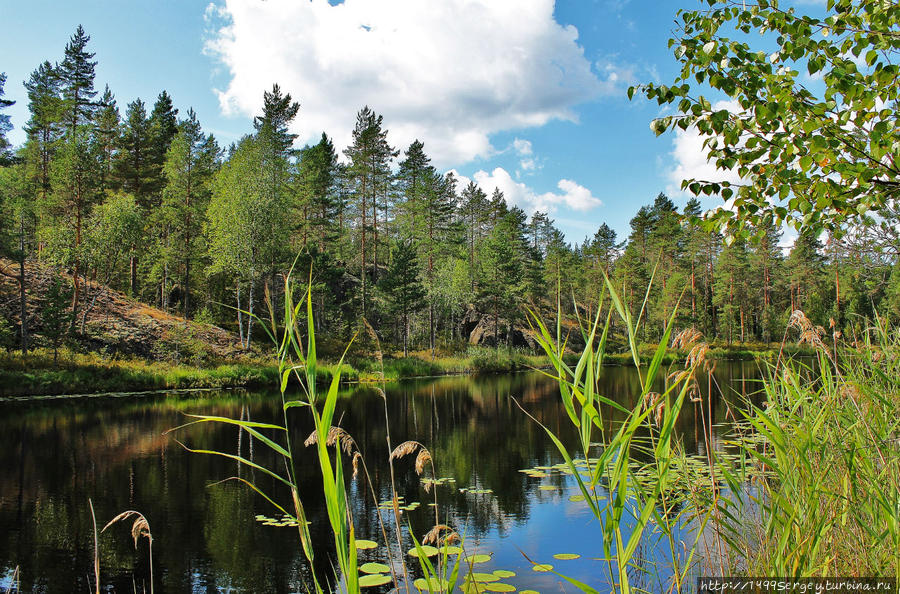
pixel 429 551
pixel 504 573
pixel 375 579
pixel 374 568
pixel 529 592
pixel 432 584
pixel 547 488
pixel 542 567
pixel 500 587
pixel 566 556
pixel 482 577
pixel 576 498
pixel 365 544
pixel 480 558
pixel 451 550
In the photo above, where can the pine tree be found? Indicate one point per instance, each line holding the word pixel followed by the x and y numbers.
pixel 402 288
pixel 108 131
pixel 5 125
pixel 56 317
pixel 134 165
pixel 317 181
pixel 160 129
pixel 369 156
pixel 474 207
pixel 75 178
pixel 44 125
pixel 190 164
pixel 76 75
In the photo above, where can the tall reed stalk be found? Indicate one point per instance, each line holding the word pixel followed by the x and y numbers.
pixel 633 507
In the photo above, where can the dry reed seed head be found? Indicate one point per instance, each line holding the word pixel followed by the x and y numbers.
pixel 356 458
pixel 655 402
pixel 422 459
pixel 686 338
pixel 697 356
pixel 434 535
pixel 799 320
pixel 312 439
pixel 140 527
pixel 337 435
pixel 407 447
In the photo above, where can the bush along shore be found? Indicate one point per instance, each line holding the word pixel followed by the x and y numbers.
pixel 91 373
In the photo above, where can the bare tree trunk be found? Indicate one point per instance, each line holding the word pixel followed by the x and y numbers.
pixel 239 314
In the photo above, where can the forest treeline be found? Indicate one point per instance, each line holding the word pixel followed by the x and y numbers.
pixel 139 198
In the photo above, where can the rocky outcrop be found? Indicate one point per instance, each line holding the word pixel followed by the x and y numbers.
pixel 118 324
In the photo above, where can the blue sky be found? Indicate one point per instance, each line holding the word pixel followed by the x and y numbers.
pixel 525 94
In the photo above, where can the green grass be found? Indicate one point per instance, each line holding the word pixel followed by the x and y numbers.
pixel 79 373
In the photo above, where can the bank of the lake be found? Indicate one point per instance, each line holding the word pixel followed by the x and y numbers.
pixel 36 374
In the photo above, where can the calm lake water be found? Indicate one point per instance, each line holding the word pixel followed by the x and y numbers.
pixel 57 454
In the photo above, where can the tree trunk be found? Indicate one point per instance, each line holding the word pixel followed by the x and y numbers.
pixel 23 304
pixel 237 293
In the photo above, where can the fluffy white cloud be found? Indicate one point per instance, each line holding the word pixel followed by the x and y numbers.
pixel 522 147
pixel 689 157
pixel 450 73
pixel 571 194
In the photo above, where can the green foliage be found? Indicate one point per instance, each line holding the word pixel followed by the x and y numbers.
pixel 56 314
pixel 811 161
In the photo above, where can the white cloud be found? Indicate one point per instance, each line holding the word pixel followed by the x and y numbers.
pixel 450 73
pixel 522 147
pixel 571 194
pixel 689 157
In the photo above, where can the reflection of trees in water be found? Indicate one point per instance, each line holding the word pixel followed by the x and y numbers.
pixel 57 455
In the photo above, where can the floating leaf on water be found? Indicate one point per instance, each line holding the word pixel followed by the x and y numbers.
pixel 375 579
pixel 504 573
pixel 576 498
pixel 374 568
pixel 451 550
pixel 499 587
pixel 542 567
pixel 566 556
pixel 474 587
pixel 482 577
pixel 432 584
pixel 480 558
pixel 538 474
pixel 429 551
pixel 529 592
pixel 547 488
pixel 365 544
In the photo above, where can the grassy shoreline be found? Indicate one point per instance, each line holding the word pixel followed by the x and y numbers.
pixel 79 373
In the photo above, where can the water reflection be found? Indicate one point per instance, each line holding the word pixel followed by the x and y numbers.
pixel 55 455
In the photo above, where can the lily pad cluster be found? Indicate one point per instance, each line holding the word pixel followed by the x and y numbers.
pixel 284 520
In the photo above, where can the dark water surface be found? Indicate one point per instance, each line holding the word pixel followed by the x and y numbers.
pixel 55 455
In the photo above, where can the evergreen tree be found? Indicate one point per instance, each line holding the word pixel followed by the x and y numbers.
pixel 732 288
pixel 56 317
pixel 108 131
pixel 43 127
pixel 190 164
pixel 402 288
pixel 76 75
pixel 474 208
pixel 160 129
pixel 317 180
pixel 134 167
pixel 369 155
pixel 5 125
pixel 75 182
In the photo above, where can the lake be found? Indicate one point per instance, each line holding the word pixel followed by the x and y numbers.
pixel 57 454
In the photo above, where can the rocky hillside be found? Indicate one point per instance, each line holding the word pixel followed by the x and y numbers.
pixel 117 324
